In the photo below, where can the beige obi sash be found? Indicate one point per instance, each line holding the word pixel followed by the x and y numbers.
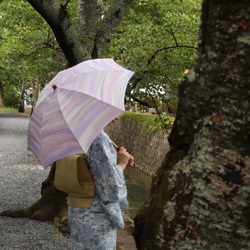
pixel 73 177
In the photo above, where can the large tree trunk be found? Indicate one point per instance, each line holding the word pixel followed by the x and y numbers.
pixel 21 99
pixel 200 196
pixel 84 42
pixel 51 204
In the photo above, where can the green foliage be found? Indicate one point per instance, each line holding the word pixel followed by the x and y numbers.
pixel 7 109
pixel 11 99
pixel 164 122
pixel 30 55
pixel 151 122
pixel 157 40
pixel 171 105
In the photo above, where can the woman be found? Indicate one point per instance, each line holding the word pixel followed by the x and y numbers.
pixel 96 227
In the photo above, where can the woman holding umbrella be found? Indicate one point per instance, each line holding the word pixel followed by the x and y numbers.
pixel 69 113
pixel 96 227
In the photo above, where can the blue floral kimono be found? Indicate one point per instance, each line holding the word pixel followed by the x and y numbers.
pixel 96 227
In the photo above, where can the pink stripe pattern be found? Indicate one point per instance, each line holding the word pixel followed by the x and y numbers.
pixel 74 107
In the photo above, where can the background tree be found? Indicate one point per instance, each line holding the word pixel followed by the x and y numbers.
pixel 200 196
pixel 157 39
pixel 26 42
pixel 89 38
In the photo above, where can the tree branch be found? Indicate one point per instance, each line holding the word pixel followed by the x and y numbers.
pixel 66 4
pixel 138 100
pixel 172 33
pixel 158 113
pixel 165 48
pixel 41 46
pixel 108 25
pixel 66 35
pixel 86 21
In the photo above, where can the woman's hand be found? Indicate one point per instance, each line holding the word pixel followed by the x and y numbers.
pixel 124 159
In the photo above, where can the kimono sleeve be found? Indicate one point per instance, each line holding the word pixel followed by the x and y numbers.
pixel 108 176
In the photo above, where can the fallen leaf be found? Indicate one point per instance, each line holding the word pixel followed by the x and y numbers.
pixel 218 118
pixel 242 24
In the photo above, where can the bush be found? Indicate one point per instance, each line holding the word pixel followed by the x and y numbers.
pixel 11 99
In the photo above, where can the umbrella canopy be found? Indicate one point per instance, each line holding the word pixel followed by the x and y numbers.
pixel 74 107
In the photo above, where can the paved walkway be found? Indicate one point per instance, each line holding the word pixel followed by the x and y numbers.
pixel 20 184
pixel 21 177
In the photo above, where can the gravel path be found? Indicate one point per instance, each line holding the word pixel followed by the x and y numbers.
pixel 20 179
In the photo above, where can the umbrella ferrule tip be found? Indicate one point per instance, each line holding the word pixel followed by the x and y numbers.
pixel 54 87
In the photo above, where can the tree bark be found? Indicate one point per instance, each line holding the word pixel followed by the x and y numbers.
pixel 58 18
pixel 86 26
pixel 200 196
pixel 21 99
pixel 108 25
pixel 51 204
pixel 84 42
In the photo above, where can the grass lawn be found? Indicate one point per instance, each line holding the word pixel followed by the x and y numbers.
pixel 7 109
pixel 12 110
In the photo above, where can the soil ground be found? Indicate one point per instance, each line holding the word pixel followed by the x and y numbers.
pixel 125 240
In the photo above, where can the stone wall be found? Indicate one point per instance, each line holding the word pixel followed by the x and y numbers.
pixel 148 148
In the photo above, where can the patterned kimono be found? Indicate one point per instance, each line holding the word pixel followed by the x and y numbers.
pixel 95 228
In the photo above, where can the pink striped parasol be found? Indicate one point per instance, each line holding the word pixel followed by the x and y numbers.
pixel 74 107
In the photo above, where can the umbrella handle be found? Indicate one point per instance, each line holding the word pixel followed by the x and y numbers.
pixel 117 148
pixel 114 144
